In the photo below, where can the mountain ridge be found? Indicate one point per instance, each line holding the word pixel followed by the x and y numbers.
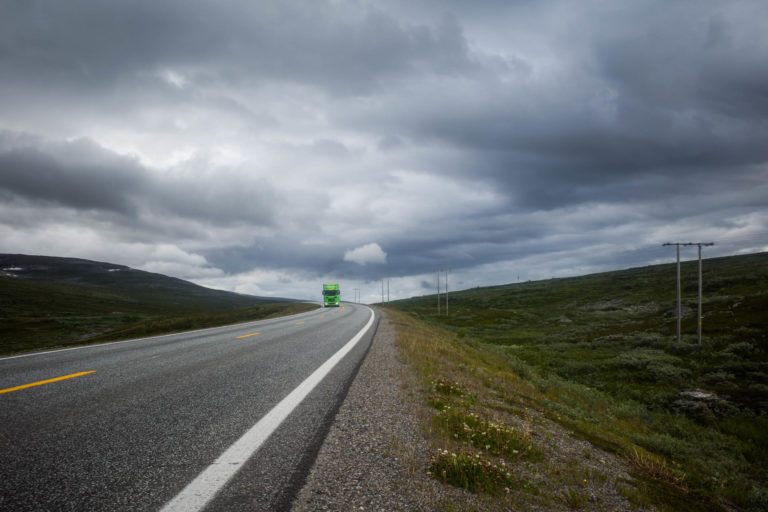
pixel 84 272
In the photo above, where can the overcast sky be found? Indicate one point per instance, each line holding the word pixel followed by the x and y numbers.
pixel 266 147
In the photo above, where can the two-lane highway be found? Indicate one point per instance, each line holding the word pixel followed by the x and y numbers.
pixel 224 419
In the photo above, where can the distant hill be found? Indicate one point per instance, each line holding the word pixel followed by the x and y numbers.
pixel 735 296
pixel 124 280
pixel 47 301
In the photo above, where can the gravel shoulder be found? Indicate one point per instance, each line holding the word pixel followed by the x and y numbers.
pixel 371 457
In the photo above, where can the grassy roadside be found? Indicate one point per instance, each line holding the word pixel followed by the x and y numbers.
pixel 685 424
pixel 494 434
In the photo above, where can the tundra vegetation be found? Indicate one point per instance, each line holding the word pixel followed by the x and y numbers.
pixel 598 356
pixel 71 305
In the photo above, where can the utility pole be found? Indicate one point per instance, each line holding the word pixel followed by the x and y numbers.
pixel 700 245
pixel 446 292
pixel 438 292
pixel 679 306
pixel 382 291
pixel 387 290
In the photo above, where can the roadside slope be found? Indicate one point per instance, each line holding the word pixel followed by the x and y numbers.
pixel 381 451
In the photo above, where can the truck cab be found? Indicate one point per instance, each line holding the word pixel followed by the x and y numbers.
pixel 331 295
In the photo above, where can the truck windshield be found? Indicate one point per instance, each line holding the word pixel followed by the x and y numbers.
pixel 330 292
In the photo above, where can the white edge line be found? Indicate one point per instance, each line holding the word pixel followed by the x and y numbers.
pixel 196 495
pixel 107 343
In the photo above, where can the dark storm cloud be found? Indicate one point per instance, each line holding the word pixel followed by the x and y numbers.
pixel 84 176
pixel 678 93
pixel 79 175
pixel 338 47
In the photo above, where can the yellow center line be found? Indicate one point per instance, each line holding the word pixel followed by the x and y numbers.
pixel 246 335
pixel 40 383
pixel 299 323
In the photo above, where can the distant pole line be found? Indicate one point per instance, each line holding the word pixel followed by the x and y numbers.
pixel 387 290
pixel 699 324
pixel 679 305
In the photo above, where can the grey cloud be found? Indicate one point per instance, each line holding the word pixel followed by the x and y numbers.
pixel 339 47
pixel 217 202
pixel 84 176
pixel 79 175
pixel 390 142
pixel 330 148
pixel 284 251
pixel 651 113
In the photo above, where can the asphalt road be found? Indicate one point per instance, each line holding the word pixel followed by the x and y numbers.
pixel 155 413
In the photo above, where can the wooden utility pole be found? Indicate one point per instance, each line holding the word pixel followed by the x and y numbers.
pixel 438 292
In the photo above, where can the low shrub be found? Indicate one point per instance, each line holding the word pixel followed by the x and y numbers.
pixel 474 473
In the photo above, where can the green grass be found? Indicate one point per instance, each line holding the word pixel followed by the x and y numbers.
pixel 475 473
pixel 600 352
pixel 493 438
pixel 41 314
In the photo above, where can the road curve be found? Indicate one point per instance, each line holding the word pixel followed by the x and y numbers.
pixel 129 425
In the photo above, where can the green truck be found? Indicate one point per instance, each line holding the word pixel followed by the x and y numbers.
pixel 331 295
